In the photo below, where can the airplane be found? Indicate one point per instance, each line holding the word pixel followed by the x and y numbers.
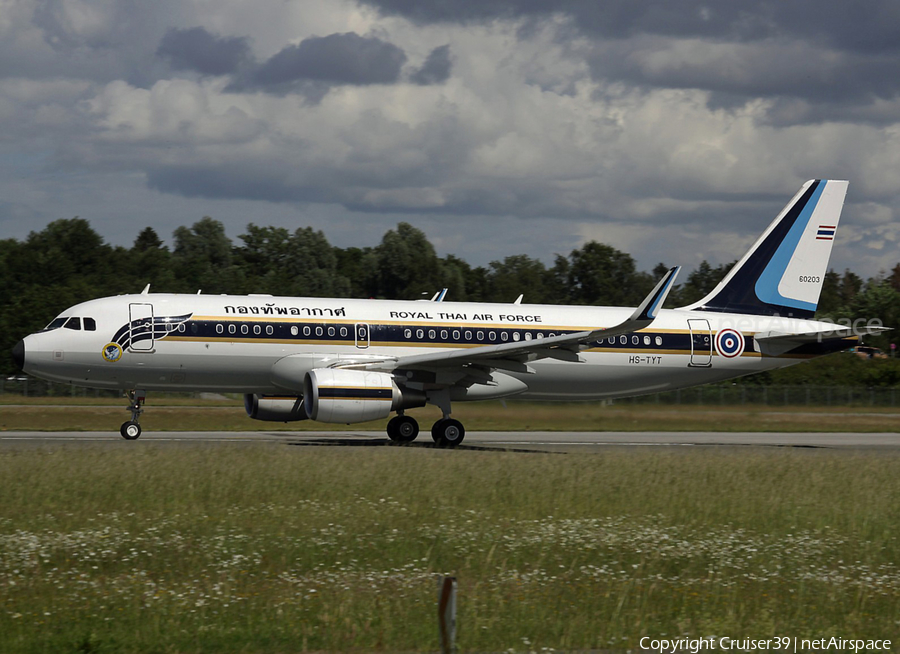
pixel 341 360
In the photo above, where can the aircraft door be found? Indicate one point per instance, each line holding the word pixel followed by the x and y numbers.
pixel 362 335
pixel 701 343
pixel 141 327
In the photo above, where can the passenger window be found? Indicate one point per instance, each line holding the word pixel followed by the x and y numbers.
pixel 479 335
pixel 73 323
pixel 232 329
pixel 635 340
pixel 516 336
pixel 307 331
pixel 182 328
pixel 245 329
pixel 504 336
pixel 407 333
pixel 294 330
pixel 420 333
pixel 270 330
pixel 90 325
pixel 331 331
pixel 455 334
pixel 443 334
pixel 527 336
pixel 319 331
pixel 257 330
pixel 492 336
pixel 432 334
pixel 623 339
pixel 219 328
pixel 540 335
pixel 343 331
pixel 646 340
pixel 659 340
pixel 468 335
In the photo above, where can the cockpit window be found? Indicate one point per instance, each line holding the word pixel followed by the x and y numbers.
pixel 73 323
pixel 90 325
pixel 55 324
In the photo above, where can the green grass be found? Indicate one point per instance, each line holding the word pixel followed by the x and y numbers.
pixel 269 548
pixel 214 416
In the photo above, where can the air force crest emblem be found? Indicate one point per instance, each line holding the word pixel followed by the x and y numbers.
pixel 112 352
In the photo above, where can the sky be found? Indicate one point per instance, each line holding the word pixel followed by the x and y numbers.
pixel 671 129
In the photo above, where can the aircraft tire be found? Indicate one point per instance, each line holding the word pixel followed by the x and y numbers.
pixel 402 429
pixel 407 429
pixel 392 429
pixel 130 430
pixel 448 432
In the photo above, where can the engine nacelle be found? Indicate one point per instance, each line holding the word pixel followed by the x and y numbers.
pixel 274 408
pixel 345 396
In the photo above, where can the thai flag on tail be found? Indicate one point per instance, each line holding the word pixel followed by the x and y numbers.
pixel 826 232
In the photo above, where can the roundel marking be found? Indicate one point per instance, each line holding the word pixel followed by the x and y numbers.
pixel 730 343
pixel 112 352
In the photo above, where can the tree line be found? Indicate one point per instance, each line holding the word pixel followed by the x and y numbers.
pixel 69 262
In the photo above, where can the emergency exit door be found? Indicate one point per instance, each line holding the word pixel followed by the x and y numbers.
pixel 701 343
pixel 362 335
pixel 141 327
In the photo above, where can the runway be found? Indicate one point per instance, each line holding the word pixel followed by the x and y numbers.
pixel 538 441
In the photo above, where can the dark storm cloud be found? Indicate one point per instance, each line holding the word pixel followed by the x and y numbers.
pixel 870 25
pixel 231 181
pixel 326 61
pixel 198 50
pixel 769 69
pixel 436 68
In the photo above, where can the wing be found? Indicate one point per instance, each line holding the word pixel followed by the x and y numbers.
pixel 514 356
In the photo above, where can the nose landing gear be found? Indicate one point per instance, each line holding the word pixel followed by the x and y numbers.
pixel 131 430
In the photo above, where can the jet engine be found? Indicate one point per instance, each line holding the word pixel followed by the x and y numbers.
pixel 274 408
pixel 345 396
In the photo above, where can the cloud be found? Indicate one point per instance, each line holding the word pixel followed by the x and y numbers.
pixel 326 61
pixel 436 69
pixel 615 120
pixel 198 50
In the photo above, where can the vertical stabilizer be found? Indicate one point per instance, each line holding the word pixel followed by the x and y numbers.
pixel 783 272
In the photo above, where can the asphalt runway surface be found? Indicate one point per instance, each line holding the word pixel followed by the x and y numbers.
pixel 535 441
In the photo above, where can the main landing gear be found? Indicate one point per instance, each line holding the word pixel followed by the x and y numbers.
pixel 131 430
pixel 446 432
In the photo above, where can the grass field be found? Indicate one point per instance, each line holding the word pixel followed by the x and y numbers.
pixel 167 414
pixel 265 548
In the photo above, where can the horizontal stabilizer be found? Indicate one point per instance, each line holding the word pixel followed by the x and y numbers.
pixel 777 343
pixel 818 337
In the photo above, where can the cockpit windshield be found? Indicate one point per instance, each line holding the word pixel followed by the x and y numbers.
pixel 55 324
pixel 75 322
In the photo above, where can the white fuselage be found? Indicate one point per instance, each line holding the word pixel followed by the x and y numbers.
pixel 231 343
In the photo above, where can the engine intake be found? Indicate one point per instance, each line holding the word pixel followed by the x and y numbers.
pixel 274 408
pixel 346 396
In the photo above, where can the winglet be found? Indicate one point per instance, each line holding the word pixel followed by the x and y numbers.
pixel 649 308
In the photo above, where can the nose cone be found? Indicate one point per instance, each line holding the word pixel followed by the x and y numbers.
pixel 18 354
